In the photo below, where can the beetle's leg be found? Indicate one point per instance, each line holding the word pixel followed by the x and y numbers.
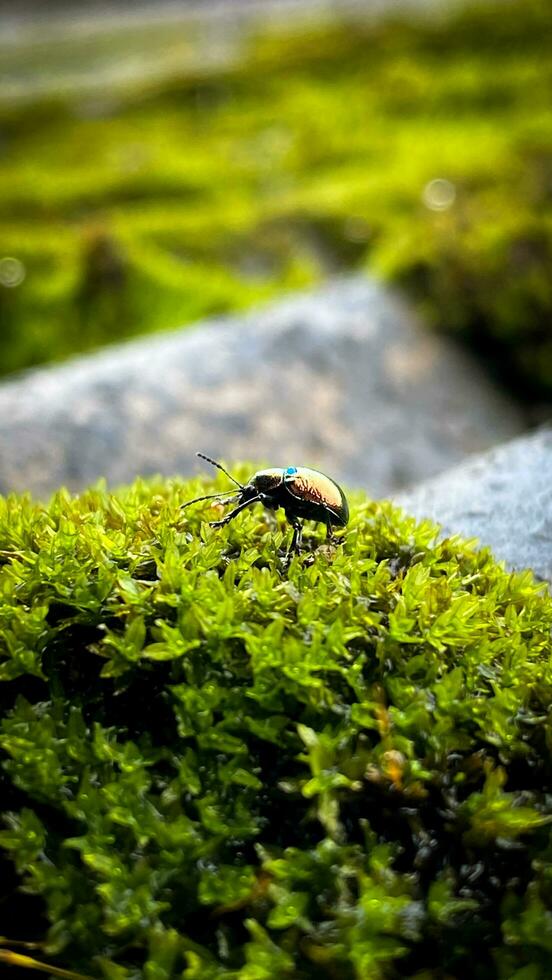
pixel 234 513
pixel 295 545
pixel 330 537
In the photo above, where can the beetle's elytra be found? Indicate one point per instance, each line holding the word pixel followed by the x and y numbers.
pixel 304 494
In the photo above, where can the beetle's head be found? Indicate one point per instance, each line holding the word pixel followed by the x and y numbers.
pixel 249 491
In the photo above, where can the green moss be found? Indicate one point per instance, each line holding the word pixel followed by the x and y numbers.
pixel 214 766
pixel 210 193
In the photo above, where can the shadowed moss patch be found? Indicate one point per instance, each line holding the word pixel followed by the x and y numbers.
pixel 218 769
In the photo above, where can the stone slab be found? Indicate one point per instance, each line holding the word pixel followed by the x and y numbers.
pixel 343 379
pixel 503 498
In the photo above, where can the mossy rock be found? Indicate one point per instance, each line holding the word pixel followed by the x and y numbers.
pixel 217 768
pixel 206 193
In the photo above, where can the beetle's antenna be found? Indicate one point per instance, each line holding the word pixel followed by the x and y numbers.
pixel 214 463
pixel 209 496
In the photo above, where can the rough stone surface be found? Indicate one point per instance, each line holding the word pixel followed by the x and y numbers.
pixel 341 378
pixel 503 498
pixel 82 47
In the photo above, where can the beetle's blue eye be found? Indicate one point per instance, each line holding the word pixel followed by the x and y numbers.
pixel 290 470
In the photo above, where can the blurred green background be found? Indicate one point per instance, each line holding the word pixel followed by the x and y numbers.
pixel 419 149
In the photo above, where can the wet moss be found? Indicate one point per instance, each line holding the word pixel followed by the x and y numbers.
pixel 216 767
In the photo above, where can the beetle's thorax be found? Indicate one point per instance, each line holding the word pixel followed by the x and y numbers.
pixel 266 481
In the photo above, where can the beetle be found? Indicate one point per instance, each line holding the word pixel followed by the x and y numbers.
pixel 304 494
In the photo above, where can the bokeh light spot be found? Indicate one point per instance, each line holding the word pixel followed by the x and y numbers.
pixel 12 272
pixel 439 194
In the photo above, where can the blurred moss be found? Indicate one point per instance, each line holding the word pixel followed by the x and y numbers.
pixel 214 768
pixel 316 154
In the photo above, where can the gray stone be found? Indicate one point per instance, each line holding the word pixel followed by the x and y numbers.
pixel 342 378
pixel 503 498
pixel 94 48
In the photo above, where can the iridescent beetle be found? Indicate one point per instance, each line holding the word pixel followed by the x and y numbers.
pixel 304 494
